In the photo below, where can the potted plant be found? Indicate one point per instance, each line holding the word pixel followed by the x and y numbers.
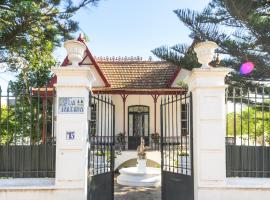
pixel 120 138
pixel 183 159
pixel 120 141
pixel 155 138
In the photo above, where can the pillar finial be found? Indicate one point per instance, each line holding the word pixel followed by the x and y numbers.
pixel 75 50
pixel 205 52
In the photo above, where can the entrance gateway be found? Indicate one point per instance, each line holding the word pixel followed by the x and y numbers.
pixel 176 148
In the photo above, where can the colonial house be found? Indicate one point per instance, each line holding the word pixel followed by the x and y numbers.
pixel 136 87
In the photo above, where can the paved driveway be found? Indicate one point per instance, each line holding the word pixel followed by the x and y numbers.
pixel 136 193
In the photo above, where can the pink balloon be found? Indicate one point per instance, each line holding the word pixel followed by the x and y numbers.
pixel 247 68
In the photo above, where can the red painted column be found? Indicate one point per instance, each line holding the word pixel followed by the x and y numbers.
pixel 155 98
pixel 124 97
pixel 44 117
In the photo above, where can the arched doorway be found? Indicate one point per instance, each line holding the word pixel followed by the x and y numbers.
pixel 138 125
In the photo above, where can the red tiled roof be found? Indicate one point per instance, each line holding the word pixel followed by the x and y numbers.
pixel 130 74
pixel 138 74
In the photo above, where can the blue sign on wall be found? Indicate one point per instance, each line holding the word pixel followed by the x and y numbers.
pixel 71 105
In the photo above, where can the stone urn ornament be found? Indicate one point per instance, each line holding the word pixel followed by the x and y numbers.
pixel 75 50
pixel 205 52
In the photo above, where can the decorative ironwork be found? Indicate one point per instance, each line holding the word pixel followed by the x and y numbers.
pixel 248 132
pixel 119 58
pixel 101 148
pixel 27 139
pixel 177 147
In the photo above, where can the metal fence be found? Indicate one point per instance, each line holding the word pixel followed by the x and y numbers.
pixel 101 134
pixel 248 132
pixel 101 151
pixel 176 131
pixel 27 140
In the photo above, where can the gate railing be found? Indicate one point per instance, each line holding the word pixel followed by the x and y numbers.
pixel 27 140
pixel 248 132
pixel 176 134
pixel 101 134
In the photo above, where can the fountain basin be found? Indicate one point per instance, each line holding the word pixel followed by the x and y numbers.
pixel 134 176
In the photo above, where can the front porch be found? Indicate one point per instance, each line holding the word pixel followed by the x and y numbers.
pixel 138 115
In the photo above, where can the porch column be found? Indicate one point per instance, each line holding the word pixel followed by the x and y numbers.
pixel 155 98
pixel 72 100
pixel 44 119
pixel 124 97
pixel 209 122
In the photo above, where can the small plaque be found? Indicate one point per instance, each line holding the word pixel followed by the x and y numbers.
pixel 71 105
pixel 70 135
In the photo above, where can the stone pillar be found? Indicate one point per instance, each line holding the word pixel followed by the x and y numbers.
pixel 72 100
pixel 209 125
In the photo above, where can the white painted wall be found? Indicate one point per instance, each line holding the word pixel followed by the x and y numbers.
pixel 38 189
pixel 145 100
pixel 209 130
pixel 97 82
pixel 237 189
pixel 182 75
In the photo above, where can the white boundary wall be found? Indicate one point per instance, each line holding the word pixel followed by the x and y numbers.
pixel 209 131
pixel 71 154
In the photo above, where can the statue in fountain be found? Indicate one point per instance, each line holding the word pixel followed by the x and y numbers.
pixel 140 175
pixel 141 156
pixel 141 150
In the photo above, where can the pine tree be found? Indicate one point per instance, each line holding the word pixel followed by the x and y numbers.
pixel 30 31
pixel 241 28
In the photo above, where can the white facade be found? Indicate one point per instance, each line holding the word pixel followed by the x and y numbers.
pixel 145 100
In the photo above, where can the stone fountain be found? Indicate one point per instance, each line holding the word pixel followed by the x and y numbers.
pixel 140 175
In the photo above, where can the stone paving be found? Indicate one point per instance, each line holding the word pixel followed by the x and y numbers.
pixel 136 193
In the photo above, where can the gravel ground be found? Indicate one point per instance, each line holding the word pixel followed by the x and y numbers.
pixel 136 193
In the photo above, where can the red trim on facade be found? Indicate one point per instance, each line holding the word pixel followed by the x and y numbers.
pixel 52 81
pixel 155 98
pixel 124 97
pixel 44 117
pixel 88 53
pixel 170 82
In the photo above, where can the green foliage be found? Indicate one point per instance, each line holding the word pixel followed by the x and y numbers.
pixel 30 30
pixel 182 84
pixel 253 123
pixel 183 153
pixel 239 27
pixel 22 121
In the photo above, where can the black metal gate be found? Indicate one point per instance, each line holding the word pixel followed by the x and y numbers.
pixel 177 148
pixel 101 148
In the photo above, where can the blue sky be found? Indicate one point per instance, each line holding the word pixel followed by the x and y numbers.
pixel 129 27
pixel 134 27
